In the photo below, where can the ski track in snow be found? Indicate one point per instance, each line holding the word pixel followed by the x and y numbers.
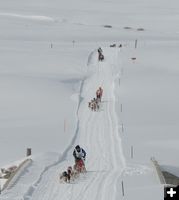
pixel 98 133
pixel 30 17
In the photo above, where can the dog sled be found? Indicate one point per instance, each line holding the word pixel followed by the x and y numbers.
pixel 79 166
pixel 94 104
pixel 73 173
pixel 100 54
pixel 101 57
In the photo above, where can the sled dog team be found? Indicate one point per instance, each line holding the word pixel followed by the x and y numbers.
pixel 72 173
pixel 94 103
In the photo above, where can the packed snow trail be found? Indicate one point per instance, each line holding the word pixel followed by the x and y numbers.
pixel 98 134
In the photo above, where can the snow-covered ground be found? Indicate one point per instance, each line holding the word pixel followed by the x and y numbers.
pixel 48 74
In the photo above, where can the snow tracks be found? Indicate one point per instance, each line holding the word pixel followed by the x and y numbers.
pixel 98 133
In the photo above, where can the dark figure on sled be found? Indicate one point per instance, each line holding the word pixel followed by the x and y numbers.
pixel 100 54
pixel 79 167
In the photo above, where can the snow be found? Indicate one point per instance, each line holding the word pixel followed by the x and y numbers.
pixel 43 18
pixel 12 166
pixel 48 73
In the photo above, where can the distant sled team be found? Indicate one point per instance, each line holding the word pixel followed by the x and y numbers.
pixel 100 54
pixel 94 104
pixel 73 173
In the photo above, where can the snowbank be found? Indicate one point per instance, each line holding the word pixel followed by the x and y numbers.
pixel 10 173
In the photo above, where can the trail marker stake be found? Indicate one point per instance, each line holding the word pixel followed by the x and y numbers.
pixel 135 44
pixel 122 127
pixel 122 184
pixel 28 152
pixel 132 152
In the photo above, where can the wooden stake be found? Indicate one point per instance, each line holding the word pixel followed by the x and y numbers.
pixel 28 152
pixel 135 44
pixel 122 184
pixel 132 152
pixel 122 127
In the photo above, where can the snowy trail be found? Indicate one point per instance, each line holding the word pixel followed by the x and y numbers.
pixel 99 135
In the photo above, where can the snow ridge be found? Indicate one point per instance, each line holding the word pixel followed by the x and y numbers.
pixel 62 158
pixel 30 17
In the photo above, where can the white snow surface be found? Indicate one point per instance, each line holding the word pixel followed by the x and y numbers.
pixel 99 133
pixel 48 73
